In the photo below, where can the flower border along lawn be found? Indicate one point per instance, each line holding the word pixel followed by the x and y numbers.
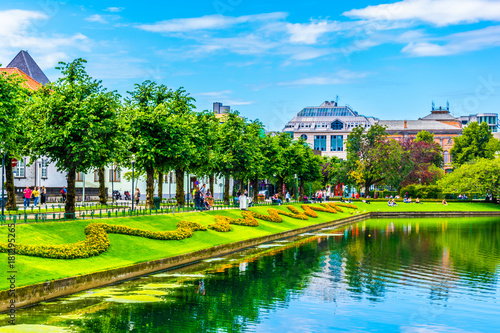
pixel 126 250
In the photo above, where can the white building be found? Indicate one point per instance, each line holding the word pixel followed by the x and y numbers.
pixel 326 127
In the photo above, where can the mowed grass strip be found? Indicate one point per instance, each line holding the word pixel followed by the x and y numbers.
pixel 127 250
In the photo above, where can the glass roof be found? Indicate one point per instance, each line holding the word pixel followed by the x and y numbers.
pixel 327 112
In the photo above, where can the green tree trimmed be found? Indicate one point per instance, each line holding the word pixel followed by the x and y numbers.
pixel 73 123
pixel 13 97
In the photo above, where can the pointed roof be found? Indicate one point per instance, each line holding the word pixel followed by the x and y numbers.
pixel 25 63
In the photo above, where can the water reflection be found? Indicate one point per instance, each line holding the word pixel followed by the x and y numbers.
pixel 386 275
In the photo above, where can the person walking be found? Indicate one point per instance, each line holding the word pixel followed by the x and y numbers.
pixel 64 192
pixel 197 198
pixel 27 196
pixel 36 196
pixel 137 196
pixel 287 196
pixel 43 196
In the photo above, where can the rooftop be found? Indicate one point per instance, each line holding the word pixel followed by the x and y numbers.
pixel 30 83
pixel 416 125
pixel 25 63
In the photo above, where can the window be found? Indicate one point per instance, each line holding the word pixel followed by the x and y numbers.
pixel 20 169
pixel 45 164
pixel 320 142
pixel 336 143
pixel 450 141
pixel 79 177
pixel 446 157
pixel 337 125
pixel 303 136
pixel 115 175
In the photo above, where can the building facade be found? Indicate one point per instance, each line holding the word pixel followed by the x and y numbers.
pixel 326 127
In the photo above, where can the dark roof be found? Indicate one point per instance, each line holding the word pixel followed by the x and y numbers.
pixel 25 62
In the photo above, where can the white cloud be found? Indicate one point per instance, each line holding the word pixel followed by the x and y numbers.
pixel 309 33
pixel 96 18
pixel 436 12
pixel 457 43
pixel 114 9
pixel 19 30
pixel 231 102
pixel 341 77
pixel 209 22
pixel 216 94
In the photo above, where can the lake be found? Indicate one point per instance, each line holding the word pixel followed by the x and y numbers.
pixel 387 275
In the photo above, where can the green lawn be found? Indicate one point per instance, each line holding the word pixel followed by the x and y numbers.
pixel 126 250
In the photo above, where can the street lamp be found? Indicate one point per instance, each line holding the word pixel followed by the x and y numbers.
pixel 296 187
pixel 3 172
pixel 133 190
pixel 274 186
pixel 221 190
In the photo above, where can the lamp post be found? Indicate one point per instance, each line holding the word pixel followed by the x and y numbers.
pixel 188 188
pixel 274 186
pixel 133 190
pixel 222 190
pixel 3 172
pixel 169 185
pixel 296 197
pixel 112 187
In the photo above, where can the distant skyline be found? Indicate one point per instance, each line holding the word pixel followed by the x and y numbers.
pixel 268 60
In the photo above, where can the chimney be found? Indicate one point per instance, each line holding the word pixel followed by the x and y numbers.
pixel 405 123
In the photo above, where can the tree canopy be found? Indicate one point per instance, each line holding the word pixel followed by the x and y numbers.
pixel 73 122
pixel 477 141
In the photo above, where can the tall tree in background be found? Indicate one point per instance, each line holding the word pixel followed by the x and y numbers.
pixel 372 156
pixel 72 122
pixel 13 97
pixel 477 141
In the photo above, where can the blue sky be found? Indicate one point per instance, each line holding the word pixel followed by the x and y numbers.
pixel 270 59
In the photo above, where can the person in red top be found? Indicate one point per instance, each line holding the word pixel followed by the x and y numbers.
pixel 27 196
pixel 357 195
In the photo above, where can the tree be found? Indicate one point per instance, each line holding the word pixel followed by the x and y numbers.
pixel 73 122
pixel 481 175
pixel 477 141
pixel 372 157
pixel 13 97
pixel 160 122
pixel 424 136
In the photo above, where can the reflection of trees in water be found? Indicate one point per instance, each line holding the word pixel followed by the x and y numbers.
pixel 233 298
pixel 379 257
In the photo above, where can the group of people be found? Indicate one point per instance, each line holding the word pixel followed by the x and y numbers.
pixel 462 197
pixel 201 196
pixel 39 196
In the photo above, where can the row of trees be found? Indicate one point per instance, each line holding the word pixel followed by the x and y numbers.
pixel 81 126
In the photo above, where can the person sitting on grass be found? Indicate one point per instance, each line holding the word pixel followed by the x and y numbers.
pixel 444 202
pixel 389 203
pixel 394 202
pixel 306 201
pixel 409 200
pixel 417 201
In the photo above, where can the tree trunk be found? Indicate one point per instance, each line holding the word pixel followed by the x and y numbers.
pixel 211 185
pixel 301 190
pixel 226 189
pixel 70 197
pixel 256 189
pixel 367 189
pixel 280 188
pixel 9 184
pixel 150 187
pixel 160 185
pixel 179 187
pixel 102 187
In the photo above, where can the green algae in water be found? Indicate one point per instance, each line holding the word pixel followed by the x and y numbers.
pixel 150 292
pixel 134 299
pixel 33 328
pixel 162 286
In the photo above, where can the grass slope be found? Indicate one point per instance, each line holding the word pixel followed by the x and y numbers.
pixel 126 250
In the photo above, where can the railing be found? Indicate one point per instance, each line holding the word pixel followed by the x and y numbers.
pixel 122 209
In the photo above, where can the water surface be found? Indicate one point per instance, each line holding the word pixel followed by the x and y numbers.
pixel 388 275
